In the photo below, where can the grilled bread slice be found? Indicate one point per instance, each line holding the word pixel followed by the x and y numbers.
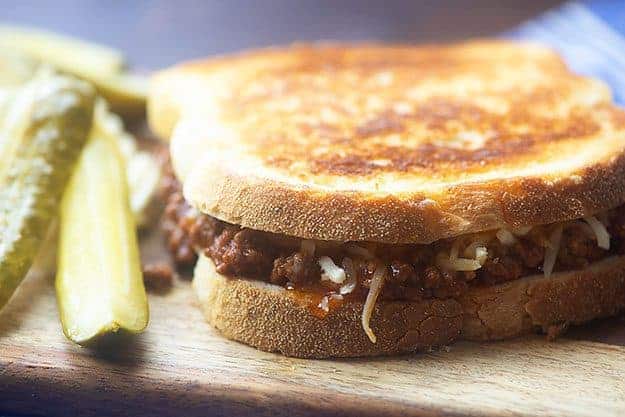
pixel 271 318
pixel 391 143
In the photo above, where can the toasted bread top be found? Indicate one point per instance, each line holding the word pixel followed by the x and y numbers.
pixel 391 143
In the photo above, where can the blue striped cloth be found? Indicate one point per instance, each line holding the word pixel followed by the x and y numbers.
pixel 588 34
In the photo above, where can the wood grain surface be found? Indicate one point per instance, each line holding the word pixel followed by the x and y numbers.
pixel 180 366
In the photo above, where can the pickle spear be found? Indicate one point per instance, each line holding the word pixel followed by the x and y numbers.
pixel 143 172
pixel 42 135
pixel 100 65
pixel 15 68
pixel 64 52
pixel 99 284
pixel 126 93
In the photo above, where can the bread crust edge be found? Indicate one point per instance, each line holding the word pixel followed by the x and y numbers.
pixel 275 320
pixel 271 206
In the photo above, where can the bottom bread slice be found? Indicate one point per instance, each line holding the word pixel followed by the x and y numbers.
pixel 273 319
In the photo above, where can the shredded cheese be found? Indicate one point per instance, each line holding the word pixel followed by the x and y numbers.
pixel 347 288
pixel 458 264
pixel 477 250
pixel 330 271
pixel 454 263
pixel 601 233
pixel 481 254
pixel 377 282
pixel 475 256
pixel 324 304
pixel 505 237
pixel 350 272
pixel 551 251
pixel 479 240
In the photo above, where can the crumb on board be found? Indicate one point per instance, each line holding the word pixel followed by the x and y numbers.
pixel 158 277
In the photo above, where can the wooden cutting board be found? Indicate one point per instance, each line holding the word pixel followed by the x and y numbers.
pixel 180 366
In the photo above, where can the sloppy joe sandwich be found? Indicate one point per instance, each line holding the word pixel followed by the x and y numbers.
pixel 353 200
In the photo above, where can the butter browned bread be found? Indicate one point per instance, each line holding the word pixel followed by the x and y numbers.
pixel 352 200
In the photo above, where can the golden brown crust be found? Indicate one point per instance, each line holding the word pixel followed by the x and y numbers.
pixel 354 216
pixel 538 303
pixel 391 143
pixel 272 319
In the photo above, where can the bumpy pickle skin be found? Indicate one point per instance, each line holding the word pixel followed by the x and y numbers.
pixel 43 132
pixel 99 284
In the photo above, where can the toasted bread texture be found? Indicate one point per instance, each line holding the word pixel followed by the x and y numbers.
pixel 271 318
pixel 391 143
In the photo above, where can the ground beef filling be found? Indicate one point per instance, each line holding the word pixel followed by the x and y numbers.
pixel 412 269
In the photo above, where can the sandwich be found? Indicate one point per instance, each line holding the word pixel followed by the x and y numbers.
pixel 355 200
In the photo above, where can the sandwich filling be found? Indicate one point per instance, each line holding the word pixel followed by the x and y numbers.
pixel 367 271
